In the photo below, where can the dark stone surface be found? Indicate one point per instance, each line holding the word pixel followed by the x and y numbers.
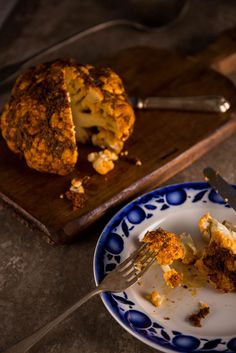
pixel 37 281
pixel 37 24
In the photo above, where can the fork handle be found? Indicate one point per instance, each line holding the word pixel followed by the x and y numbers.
pixel 27 343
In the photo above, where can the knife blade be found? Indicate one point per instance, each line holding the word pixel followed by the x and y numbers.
pixel 221 186
pixel 213 104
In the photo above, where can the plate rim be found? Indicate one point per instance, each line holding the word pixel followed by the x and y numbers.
pixel 105 296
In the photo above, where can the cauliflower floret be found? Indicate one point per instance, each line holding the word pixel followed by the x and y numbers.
pixel 169 248
pixel 167 245
pixel 57 104
pixel 103 161
pixel 218 260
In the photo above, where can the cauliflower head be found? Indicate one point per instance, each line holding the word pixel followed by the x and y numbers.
pixel 57 104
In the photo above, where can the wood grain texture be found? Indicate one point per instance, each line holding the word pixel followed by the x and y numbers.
pixel 165 141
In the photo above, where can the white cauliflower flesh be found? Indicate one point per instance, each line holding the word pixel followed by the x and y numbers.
pixel 101 113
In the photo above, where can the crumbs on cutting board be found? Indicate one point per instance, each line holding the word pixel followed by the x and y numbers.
pixel 76 193
pixel 131 159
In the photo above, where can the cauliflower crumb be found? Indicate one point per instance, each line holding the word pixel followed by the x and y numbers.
pixel 76 193
pixel 103 161
pixel 124 153
pixel 76 185
pixel 173 278
pixel 131 159
pixel 155 298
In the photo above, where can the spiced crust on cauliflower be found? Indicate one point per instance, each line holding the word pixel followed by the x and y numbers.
pixel 218 260
pixel 167 244
pixel 168 249
pixel 57 104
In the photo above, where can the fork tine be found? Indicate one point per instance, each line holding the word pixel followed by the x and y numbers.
pixel 131 257
pixel 144 251
pixel 149 254
pixel 127 273
pixel 135 278
pixel 145 265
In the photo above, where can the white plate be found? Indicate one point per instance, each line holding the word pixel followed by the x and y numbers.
pixel 176 208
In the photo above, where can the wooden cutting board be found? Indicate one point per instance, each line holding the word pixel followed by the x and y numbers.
pixel 165 141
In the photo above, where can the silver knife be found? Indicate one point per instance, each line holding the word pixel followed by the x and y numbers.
pixel 214 104
pixel 225 190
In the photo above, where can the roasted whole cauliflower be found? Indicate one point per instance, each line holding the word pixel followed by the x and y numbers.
pixel 57 104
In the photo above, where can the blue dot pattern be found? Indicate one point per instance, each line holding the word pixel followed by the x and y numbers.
pixel 109 253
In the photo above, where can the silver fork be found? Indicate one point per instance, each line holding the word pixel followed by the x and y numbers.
pixel 124 276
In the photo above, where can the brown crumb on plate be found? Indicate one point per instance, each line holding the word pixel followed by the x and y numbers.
pixel 197 317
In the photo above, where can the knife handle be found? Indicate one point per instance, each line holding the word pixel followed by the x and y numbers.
pixel 215 104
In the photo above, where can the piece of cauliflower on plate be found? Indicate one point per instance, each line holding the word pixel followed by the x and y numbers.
pixel 218 260
pixel 169 249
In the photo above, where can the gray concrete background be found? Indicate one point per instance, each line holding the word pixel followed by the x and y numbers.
pixel 38 281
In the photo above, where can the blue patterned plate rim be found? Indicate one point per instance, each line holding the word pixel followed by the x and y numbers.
pixel 136 322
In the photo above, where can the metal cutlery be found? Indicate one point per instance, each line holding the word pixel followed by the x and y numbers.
pixel 225 190
pixel 124 276
pixel 214 104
